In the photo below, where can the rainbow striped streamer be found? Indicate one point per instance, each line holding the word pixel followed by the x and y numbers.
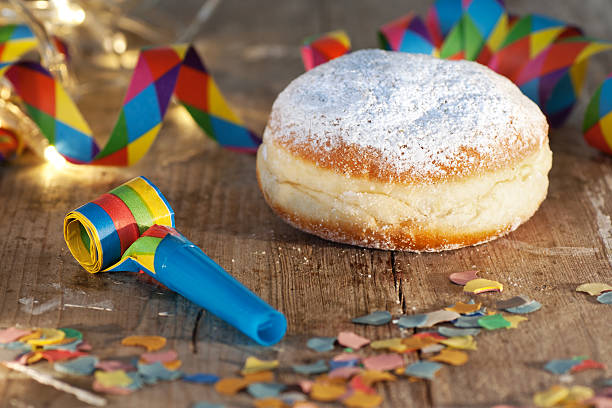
pixel 318 49
pixel 160 73
pixel 9 144
pixel 100 232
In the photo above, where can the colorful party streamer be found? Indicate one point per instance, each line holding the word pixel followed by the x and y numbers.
pixel 160 73
pixel 318 49
pixel 546 58
pixel 131 228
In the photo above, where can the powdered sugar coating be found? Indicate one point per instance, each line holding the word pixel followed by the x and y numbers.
pixel 415 116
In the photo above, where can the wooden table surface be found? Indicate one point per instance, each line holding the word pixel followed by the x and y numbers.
pixel 252 49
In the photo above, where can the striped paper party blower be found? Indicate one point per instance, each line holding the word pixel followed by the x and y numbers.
pixel 131 228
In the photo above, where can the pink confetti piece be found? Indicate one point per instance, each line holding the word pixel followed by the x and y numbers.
pixel 384 362
pixel 599 402
pixel 114 365
pixel 84 346
pixel 12 334
pixel 352 340
pixel 306 386
pixel 161 356
pixel 110 390
pixel 344 372
pixel 346 357
pixel 461 278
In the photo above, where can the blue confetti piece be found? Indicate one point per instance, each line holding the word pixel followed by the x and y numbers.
pixel 377 318
pixel 605 298
pixel 137 381
pixel 467 322
pixel 423 369
pixel 152 373
pixel 411 321
pixel 204 404
pixel 528 307
pixel 454 331
pixel 333 364
pixel 314 368
pixel 79 366
pixel 16 345
pixel 292 397
pixel 265 390
pixel 480 312
pixel 201 378
pixel 562 366
pixel 321 344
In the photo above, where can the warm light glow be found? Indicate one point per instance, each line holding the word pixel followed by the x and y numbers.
pixel 69 13
pixel 53 157
pixel 119 43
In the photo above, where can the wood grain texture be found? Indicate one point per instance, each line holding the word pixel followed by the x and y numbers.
pixel 252 49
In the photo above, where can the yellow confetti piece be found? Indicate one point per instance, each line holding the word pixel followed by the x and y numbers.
pixel 34 358
pixel 550 397
pixel 452 357
pixel 253 365
pixel 327 392
pixel 230 386
pixel 117 378
pixel 47 336
pixel 370 377
pixel 514 321
pixel 360 399
pixel 579 393
pixel 464 308
pixel 269 403
pixel 261 376
pixel 151 343
pixel 594 288
pixel 460 342
pixel 173 365
pixel 36 334
pixel 482 285
pixel 417 343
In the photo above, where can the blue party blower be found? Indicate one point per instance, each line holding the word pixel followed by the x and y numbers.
pixel 132 229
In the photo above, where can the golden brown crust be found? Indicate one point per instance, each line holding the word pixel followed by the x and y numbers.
pixel 368 163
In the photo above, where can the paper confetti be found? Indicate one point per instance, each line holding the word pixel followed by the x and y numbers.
pixel 461 278
pixel 462 342
pixel 201 378
pixel 269 403
pixel 321 344
pixel 254 365
pixel 315 368
pixel 464 308
pixel 376 318
pixel 550 397
pixel 605 298
pixel 327 392
pixel 411 321
pixel 594 288
pixel 482 285
pixel 151 343
pixel 12 334
pixel 344 372
pixel 561 366
pixel 322 48
pixel 265 390
pixel 512 302
pixel 230 386
pixel 370 377
pixel 467 322
pixel 79 366
pixel 116 378
pixel 439 316
pixel 48 336
pixel 360 399
pixel 514 321
pixel 352 340
pixel 455 332
pixel 452 357
pixel 587 364
pixel 391 344
pixel 112 365
pixel 161 356
pixel 423 369
pixel 291 397
pixel 493 322
pixel 156 371
pixel 528 307
pixel 333 364
pixel 383 362
pixel 418 342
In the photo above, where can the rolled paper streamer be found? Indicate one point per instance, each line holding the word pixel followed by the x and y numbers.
pixel 318 49
pixel 132 229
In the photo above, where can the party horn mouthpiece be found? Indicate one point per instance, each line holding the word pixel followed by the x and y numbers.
pixel 132 229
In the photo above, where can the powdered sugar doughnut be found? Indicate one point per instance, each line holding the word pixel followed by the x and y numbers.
pixel 404 151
